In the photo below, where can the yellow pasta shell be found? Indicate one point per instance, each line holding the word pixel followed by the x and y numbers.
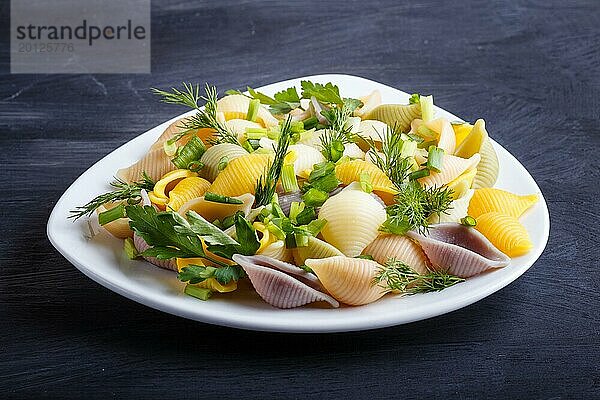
pixel 402 248
pixel 235 106
pixel 461 184
pixel 241 174
pixel 399 115
pixel 187 189
pixel 474 140
pixel 213 156
pixel 477 141
pixel 461 131
pixel 169 181
pixel 349 280
pixel 505 232
pixel 350 171
pixel 491 199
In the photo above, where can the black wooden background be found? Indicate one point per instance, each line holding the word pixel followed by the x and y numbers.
pixel 530 68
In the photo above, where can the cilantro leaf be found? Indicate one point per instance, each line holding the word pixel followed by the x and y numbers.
pixel 159 230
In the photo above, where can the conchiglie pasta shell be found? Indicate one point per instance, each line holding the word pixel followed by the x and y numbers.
pixel 118 228
pixel 491 199
pixel 373 129
pixel 352 150
pixel 446 138
pixel 239 126
pixel 457 211
pixel 350 171
pixel 488 168
pixel 399 115
pixel 241 174
pixel 278 251
pixel 478 142
pixel 461 131
pixel 316 248
pixel 353 219
pixel 176 128
pixel 213 156
pixel 155 163
pixel 505 232
pixel 235 106
pixel 369 103
pixel 452 168
pixel 187 189
pixel 401 248
pixel 462 183
pixel 211 211
pixel 349 280
pixel 305 158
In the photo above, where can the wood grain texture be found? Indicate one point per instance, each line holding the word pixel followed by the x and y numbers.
pixel 530 68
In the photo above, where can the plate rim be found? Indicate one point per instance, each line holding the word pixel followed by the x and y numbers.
pixel 334 325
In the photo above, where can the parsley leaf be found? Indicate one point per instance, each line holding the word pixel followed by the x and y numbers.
pixel 159 230
pixel 322 177
pixel 264 99
pixel 328 93
pixel 229 273
pixel 207 231
pixel 199 273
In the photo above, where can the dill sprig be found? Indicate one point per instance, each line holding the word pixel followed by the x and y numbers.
pixel 204 118
pixel 130 192
pixel 390 161
pixel 338 134
pixel 267 183
pixel 396 275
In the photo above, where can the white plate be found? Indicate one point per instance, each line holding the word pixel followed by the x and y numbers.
pixel 102 258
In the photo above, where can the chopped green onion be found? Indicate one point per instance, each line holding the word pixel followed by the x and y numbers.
pixel 290 241
pixel 365 257
pixel 170 148
pixel 365 182
pixel 427 111
pixel 414 98
pixel 413 176
pixel 409 148
pixel 247 146
pixel 192 151
pixel 306 215
pixel 195 166
pixel 426 144
pixel 301 240
pixel 276 231
pixel 315 226
pixel 129 249
pixel 253 108
pixel 297 127
pixel 222 163
pixel 295 209
pixel 315 197
pixel 415 138
pixel 112 215
pixel 273 133
pixel 197 292
pixel 468 221
pixel 218 198
pixel 310 123
pixel 288 179
pixel 228 221
pixel 256 133
pixel 435 159
pixel 425 132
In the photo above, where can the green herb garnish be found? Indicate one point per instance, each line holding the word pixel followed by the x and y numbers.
pixel 396 275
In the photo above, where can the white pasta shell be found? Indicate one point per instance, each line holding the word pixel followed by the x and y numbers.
pixel 488 168
pixel 278 251
pixel 316 248
pixel 213 156
pixel 349 280
pixel 306 158
pixel 457 211
pixel 369 103
pixel 370 128
pixel 353 151
pixel 236 107
pixel 401 248
pixel 239 126
pixel 452 167
pixel 353 219
pixel 447 138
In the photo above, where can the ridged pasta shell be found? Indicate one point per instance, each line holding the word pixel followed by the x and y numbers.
pixel 141 246
pixel 370 128
pixel 186 190
pixel 305 158
pixel 457 211
pixel 118 228
pixel 353 219
pixel 387 246
pixel 491 199
pixel 349 280
pixel 446 138
pixel 155 163
pixel 369 103
pixel 278 251
pixel 462 183
pixel 477 141
pixel 505 232
pixel 350 171
pixel 488 168
pixel 399 115
pixel 316 248
pixel 352 150
pixel 460 250
pixel 212 211
pixel 235 106
pixel 280 284
pixel 241 174
pixel 452 168
pixel 177 127
pixel 213 156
